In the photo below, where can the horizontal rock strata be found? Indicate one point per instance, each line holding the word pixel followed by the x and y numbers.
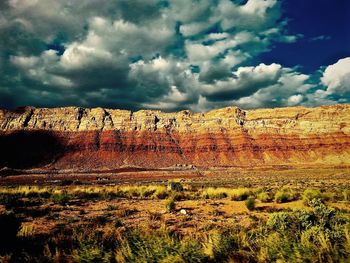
pixel 81 138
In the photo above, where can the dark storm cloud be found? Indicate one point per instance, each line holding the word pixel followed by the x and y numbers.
pixel 170 55
pixel 244 82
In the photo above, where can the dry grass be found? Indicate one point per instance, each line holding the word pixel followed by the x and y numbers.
pixel 207 211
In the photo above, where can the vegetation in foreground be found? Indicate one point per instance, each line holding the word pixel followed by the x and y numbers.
pixel 178 223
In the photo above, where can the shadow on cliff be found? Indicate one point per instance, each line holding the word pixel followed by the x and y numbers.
pixel 29 149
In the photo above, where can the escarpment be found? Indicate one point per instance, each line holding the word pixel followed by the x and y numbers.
pixel 88 139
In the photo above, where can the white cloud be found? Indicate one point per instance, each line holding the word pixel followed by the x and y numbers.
pixel 295 100
pixel 287 91
pixel 337 77
pixel 254 15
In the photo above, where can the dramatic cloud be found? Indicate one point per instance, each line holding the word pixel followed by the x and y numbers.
pixel 337 77
pixel 263 86
pixel 161 54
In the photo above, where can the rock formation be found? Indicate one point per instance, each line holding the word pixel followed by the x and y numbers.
pixel 88 139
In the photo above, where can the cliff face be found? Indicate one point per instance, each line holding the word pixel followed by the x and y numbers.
pixel 106 139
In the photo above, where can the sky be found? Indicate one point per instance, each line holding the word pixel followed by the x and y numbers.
pixel 172 55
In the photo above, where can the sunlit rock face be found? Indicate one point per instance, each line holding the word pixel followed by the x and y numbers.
pixel 88 139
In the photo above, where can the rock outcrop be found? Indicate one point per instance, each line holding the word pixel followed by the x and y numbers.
pixel 80 138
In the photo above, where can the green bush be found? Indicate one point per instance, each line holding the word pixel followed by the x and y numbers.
pixel 91 253
pixel 280 221
pixel 310 194
pixel 181 196
pixel 284 195
pixel 161 194
pixel 346 194
pixel 154 216
pixel 61 198
pixel 264 197
pixel 170 205
pixel 220 245
pixel 159 246
pixel 118 223
pixel 250 203
pixel 175 186
pixel 317 235
pixel 240 194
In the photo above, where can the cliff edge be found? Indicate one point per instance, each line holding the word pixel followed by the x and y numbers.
pixel 87 139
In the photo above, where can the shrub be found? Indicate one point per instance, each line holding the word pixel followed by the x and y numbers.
pixel 148 192
pixel 310 194
pixel 90 253
pixel 264 197
pixel 125 212
pixel 181 196
pixel 318 235
pixel 175 186
pixel 61 198
pixel 154 216
pixel 240 194
pixel 219 245
pixel 284 195
pixel 346 194
pixel 161 194
pixel 26 230
pixel 191 251
pixel 214 193
pixel 118 223
pixel 158 246
pixel 250 203
pixel 280 221
pixel 170 205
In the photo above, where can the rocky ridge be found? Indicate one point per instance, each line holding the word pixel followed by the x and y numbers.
pixel 82 138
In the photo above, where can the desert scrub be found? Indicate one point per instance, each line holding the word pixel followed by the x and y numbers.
pixel 90 253
pixel 111 192
pixel 346 195
pixel 158 246
pixel 319 235
pixel 27 229
pixel 214 193
pixel 310 194
pixel 264 197
pixel 238 194
pixel 154 216
pixel 60 197
pixel 315 234
pixel 125 212
pixel 250 203
pixel 27 191
pixel 285 195
pixel 175 186
pixel 221 246
pixel 170 205
pixel 161 193
pixel 146 192
pixel 182 196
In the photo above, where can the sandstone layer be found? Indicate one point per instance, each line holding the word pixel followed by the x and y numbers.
pixel 90 139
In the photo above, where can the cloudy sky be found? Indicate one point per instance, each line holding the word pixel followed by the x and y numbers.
pixel 174 54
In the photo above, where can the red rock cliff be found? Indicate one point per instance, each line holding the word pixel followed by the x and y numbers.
pixel 105 139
